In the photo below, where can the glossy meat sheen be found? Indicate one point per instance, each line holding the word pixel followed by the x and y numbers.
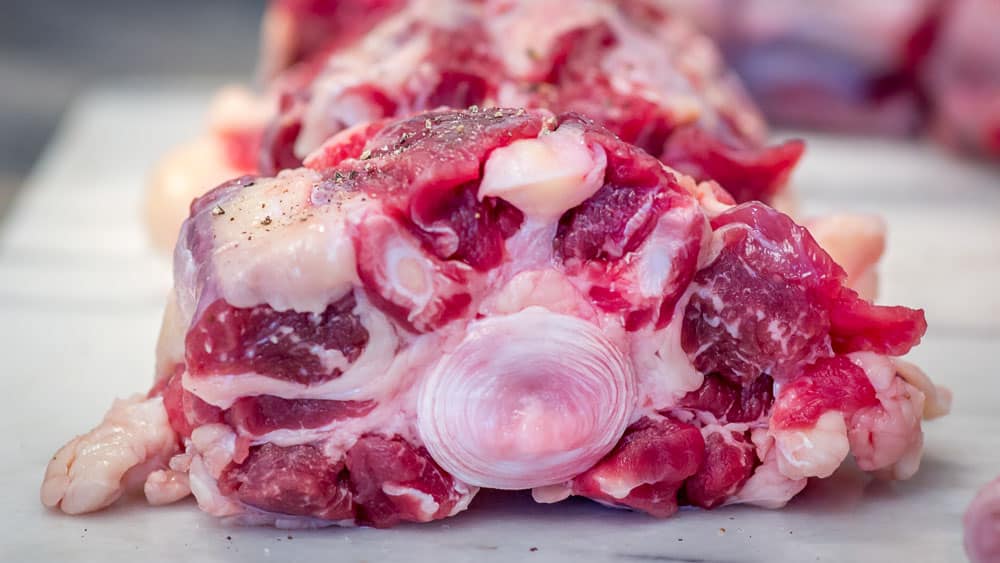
pixel 501 298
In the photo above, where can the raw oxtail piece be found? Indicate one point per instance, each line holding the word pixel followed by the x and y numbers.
pixel 632 66
pixel 506 299
pixel 982 525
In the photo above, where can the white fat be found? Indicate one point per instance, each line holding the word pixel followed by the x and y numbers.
pixel 92 470
pixel 273 246
pixel 705 193
pixel 170 342
pixel 368 378
pixel 410 273
pixel 937 399
pixel 856 242
pixel 887 438
pixel 428 506
pixel 186 172
pixel 215 445
pixel 523 250
pixel 663 370
pixel 713 248
pixel 813 452
pixel 166 486
pixel 205 489
pixel 546 176
pixel 236 108
pixel 768 487
pixel 881 371
pixel 544 288
pixel 526 400
pixel 615 485
pixel 467 493
pixel 654 260
pixel 551 494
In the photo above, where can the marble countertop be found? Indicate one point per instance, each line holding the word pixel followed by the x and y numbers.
pixel 80 298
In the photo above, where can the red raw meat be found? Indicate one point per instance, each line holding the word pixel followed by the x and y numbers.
pixel 506 299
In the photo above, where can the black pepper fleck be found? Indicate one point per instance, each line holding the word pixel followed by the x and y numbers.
pixel 266 220
pixel 218 211
pixel 533 549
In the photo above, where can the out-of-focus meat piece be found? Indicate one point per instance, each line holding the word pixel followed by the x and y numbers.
pixel 228 149
pixel 844 65
pixel 92 471
pixel 294 31
pixel 856 242
pixel 633 67
pixel 982 525
pixel 183 174
pixel 963 78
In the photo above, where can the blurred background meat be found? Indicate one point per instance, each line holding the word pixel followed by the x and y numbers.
pixel 895 67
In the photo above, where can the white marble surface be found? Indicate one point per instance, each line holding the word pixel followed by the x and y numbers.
pixel 80 294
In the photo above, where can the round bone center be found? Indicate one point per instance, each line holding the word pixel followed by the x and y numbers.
pixel 526 400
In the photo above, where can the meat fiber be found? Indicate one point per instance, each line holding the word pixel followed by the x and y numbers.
pixel 647 76
pixel 506 299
